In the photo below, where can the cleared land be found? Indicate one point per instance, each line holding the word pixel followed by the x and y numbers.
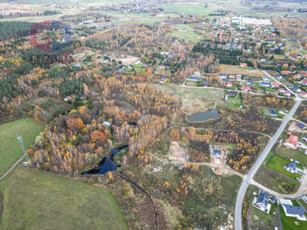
pixel 193 99
pixel 276 181
pixel 232 69
pixel 40 200
pixel 10 148
pixel 185 32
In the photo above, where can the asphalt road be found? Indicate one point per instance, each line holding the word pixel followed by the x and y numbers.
pixel 258 163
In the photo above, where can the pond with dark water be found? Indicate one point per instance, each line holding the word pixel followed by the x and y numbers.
pixel 107 164
pixel 204 116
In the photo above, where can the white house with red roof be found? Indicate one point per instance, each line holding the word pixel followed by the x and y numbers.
pixel 303 94
pixel 243 64
pixel 287 93
pixel 285 72
pixel 291 141
pixel 245 88
pixel 275 84
pixel 229 84
pixel 304 82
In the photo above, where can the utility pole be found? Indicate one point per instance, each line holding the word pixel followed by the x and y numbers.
pixel 23 148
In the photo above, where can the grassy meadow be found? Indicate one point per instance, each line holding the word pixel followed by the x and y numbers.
pixel 35 199
pixel 10 148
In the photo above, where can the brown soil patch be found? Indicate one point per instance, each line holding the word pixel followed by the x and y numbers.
pixel 177 153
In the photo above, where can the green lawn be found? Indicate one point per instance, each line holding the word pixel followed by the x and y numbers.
pixel 277 163
pixel 10 147
pixel 289 222
pixel 35 199
pixel 294 154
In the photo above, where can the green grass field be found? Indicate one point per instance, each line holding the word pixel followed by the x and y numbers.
pixel 295 154
pixel 10 147
pixel 289 222
pixel 277 163
pixel 35 199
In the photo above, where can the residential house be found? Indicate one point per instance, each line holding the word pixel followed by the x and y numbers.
pixel 291 141
pixel 231 93
pixel 287 93
pixel 304 82
pixel 266 79
pixel 249 82
pixel 193 79
pixel 264 84
pixel 291 210
pixel 262 202
pixel 229 84
pixel 243 64
pixel 300 125
pixel 281 90
pixel 285 72
pixel 273 112
pixel 303 94
pixel 106 124
pixel 68 99
pixel 245 88
pixel 275 84
pixel 291 167
pixel 222 75
pixel 296 89
pixel 216 153
pixel 225 80
pixel 239 77
pixel 232 76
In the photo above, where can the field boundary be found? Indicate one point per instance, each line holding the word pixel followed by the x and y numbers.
pixel 11 168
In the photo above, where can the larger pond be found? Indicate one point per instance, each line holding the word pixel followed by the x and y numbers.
pixel 204 116
pixel 107 164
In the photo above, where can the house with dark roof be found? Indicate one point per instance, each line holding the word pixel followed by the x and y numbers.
pixel 222 75
pixel 231 93
pixel 296 88
pixel 291 167
pixel 265 84
pixel 300 125
pixel 273 112
pixel 193 79
pixel 216 153
pixel 262 201
pixel 291 210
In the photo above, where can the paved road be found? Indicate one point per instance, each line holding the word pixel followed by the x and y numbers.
pixel 258 163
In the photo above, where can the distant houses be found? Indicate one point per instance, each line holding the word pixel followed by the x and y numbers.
pixel 193 79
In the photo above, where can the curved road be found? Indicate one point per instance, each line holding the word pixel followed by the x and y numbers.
pixel 256 166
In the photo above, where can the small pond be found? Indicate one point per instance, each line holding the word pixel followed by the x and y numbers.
pixel 204 116
pixel 107 164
